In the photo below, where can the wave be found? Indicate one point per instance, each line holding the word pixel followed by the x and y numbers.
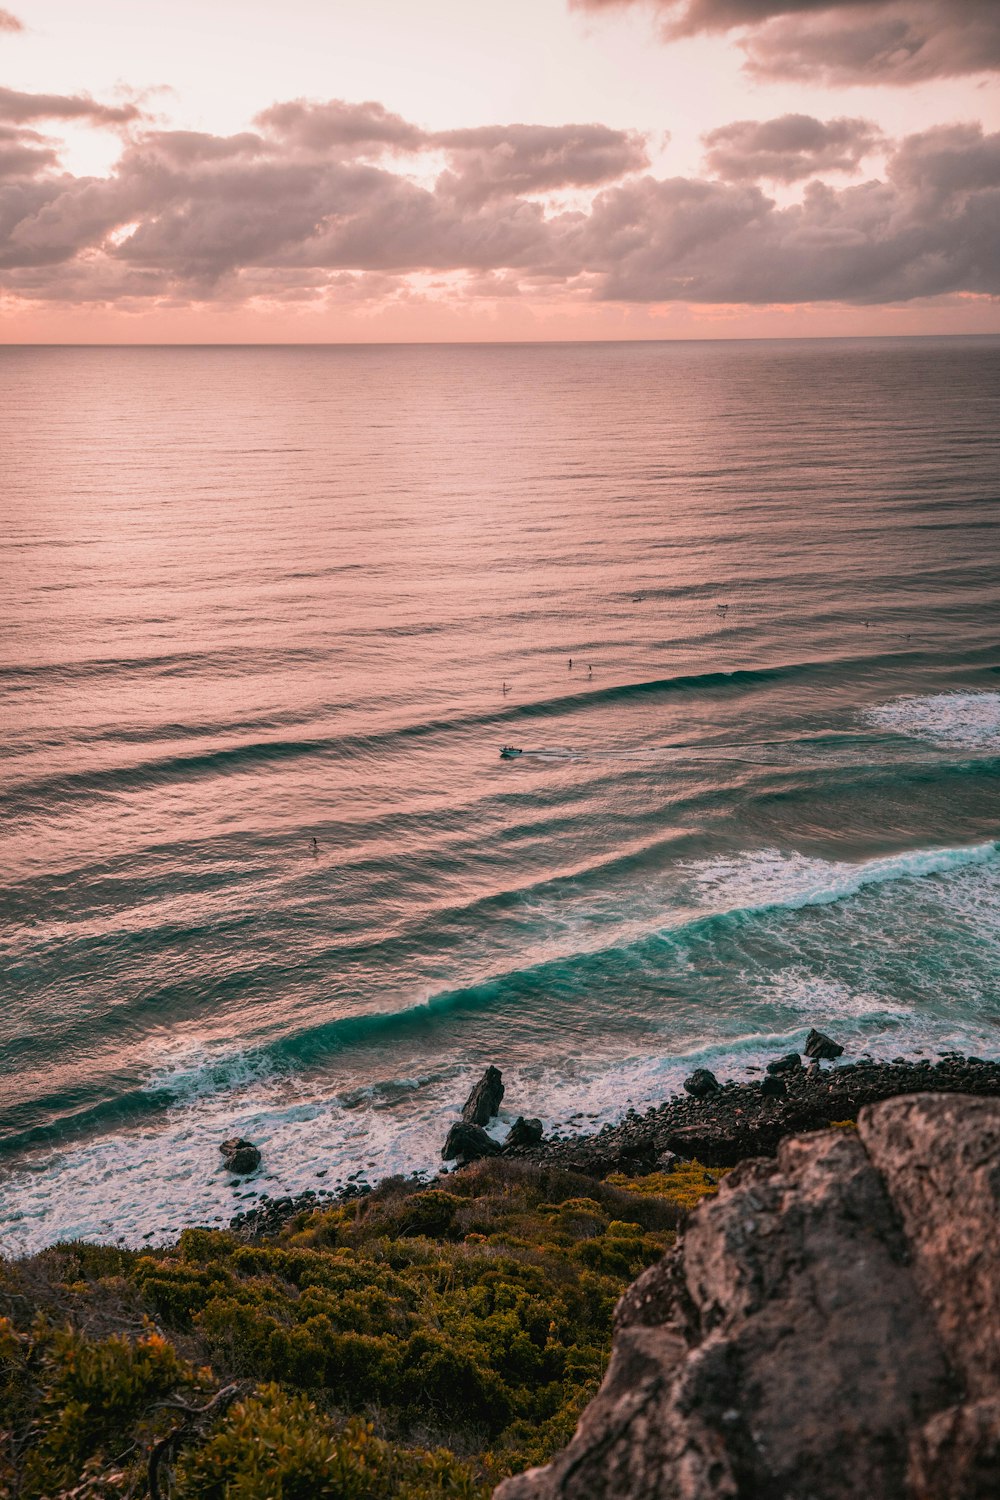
pixel 718 895
pixel 31 795
pixel 963 720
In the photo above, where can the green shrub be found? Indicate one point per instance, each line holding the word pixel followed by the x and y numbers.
pixel 276 1446
pixel 476 1316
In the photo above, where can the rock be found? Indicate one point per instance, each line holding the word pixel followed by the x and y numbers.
pixel 524 1132
pixel 484 1101
pixel 701 1084
pixel 819 1045
pixel 240 1155
pixel 950 1211
pixel 773 1088
pixel 790 1063
pixel 827 1326
pixel 667 1161
pixel 467 1143
pixel 957 1454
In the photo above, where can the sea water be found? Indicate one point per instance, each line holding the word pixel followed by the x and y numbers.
pixel 738 604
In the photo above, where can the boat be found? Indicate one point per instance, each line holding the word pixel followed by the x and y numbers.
pixel 509 751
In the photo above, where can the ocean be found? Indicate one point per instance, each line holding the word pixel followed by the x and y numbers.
pixel 738 603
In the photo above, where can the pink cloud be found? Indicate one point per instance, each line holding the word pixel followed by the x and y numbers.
pixel 789 148
pixel 840 41
pixel 187 216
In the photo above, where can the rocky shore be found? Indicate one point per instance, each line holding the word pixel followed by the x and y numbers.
pixel 717 1123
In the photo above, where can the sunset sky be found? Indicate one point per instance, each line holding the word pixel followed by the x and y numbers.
pixel 207 170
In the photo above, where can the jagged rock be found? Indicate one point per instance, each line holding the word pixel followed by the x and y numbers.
pixel 773 1087
pixel 668 1161
pixel 468 1143
pixel 820 1045
pixel 524 1132
pixel 484 1101
pixel 240 1155
pixel 828 1326
pixel 790 1063
pixel 950 1211
pixel 701 1083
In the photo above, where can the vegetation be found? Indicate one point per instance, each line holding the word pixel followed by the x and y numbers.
pixel 415 1343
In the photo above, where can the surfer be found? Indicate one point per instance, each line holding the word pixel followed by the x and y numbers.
pixel 315 845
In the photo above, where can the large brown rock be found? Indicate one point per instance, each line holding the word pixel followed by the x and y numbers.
pixel 484 1101
pixel 827 1328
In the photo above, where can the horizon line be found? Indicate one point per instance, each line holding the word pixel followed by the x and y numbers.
pixel 760 338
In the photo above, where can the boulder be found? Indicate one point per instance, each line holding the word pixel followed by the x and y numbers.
pixel 524 1132
pixel 827 1326
pixel 790 1063
pixel 773 1087
pixel 467 1143
pixel 701 1084
pixel 819 1045
pixel 240 1155
pixel 484 1101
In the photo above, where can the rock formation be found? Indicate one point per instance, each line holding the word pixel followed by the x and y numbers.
pixel 466 1143
pixel 240 1155
pixel 524 1132
pixel 827 1328
pixel 819 1045
pixel 701 1084
pixel 484 1101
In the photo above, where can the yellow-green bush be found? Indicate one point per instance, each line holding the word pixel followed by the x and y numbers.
pixel 276 1446
pixel 684 1187
pixel 476 1316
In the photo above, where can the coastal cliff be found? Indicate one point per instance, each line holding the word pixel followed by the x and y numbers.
pixel 827 1327
pixel 821 1321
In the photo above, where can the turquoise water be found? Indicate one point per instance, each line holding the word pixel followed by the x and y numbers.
pixel 260 596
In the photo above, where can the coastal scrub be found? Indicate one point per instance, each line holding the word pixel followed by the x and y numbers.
pixel 418 1342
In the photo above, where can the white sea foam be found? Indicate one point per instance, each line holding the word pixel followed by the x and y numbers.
pixel 767 878
pixel 968 721
pixel 146 1183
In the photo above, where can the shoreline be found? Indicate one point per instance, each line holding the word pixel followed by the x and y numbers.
pixel 735 1122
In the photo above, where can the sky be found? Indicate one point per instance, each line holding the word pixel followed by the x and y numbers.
pixel 382 170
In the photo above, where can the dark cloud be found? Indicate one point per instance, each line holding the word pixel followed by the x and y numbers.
pixel 9 22
pixel 841 41
pixel 790 148
pixel 898 42
pixel 19 108
pixel 187 216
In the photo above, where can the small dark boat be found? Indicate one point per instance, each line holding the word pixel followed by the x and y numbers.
pixel 509 751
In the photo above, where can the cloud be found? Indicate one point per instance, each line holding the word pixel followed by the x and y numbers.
pixel 789 148
pixel 186 216
pixel 898 42
pixel 19 108
pixel 340 126
pixel 841 41
pixel 507 160
pixel 932 228
pixel 9 22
